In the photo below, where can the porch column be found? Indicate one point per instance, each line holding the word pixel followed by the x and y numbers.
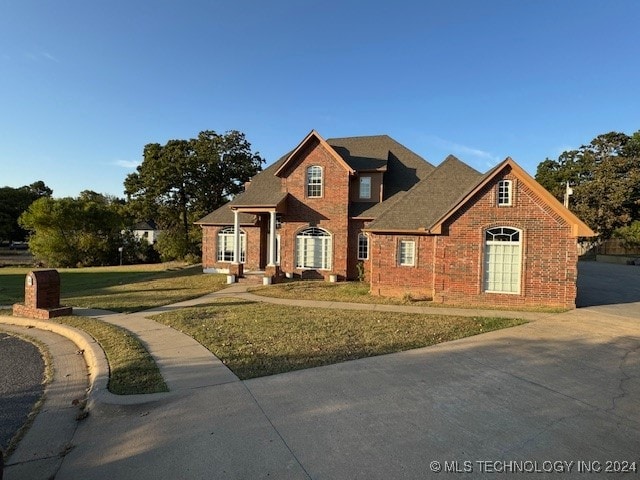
pixel 272 238
pixel 236 237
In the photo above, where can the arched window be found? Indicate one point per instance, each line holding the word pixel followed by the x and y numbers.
pixel 314 181
pixel 225 245
pixel 502 260
pixel 313 249
pixel 363 246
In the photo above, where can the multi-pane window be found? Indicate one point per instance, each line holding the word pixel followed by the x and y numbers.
pixel 407 253
pixel 313 249
pixel 225 245
pixel 314 181
pixel 505 193
pixel 502 260
pixel 363 246
pixel 365 187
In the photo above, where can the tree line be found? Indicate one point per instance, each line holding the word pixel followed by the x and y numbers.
pixel 176 184
pixel 604 176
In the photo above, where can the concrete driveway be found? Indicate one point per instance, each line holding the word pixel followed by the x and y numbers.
pixel 562 389
pixel 609 288
pixel 541 397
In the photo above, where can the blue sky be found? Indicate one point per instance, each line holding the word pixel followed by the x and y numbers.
pixel 84 85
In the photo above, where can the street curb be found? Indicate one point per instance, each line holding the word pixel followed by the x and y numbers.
pixel 96 360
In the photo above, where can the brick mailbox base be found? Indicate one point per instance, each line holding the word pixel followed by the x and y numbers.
pixel 41 296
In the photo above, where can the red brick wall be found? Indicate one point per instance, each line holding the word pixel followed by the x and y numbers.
pixel 210 248
pixel 355 227
pixel 549 255
pixel 329 212
pixel 389 278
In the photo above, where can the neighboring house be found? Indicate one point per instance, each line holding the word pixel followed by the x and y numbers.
pixel 146 230
pixel 447 233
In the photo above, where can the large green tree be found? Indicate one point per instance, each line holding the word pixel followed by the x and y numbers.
pixel 14 201
pixel 605 178
pixel 70 232
pixel 181 181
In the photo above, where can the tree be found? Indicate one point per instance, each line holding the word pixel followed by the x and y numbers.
pixel 181 181
pixel 605 178
pixel 70 232
pixel 14 201
pixel 629 234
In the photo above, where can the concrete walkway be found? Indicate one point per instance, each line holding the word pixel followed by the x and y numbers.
pixel 563 388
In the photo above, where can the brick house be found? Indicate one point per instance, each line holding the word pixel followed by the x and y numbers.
pixel 343 206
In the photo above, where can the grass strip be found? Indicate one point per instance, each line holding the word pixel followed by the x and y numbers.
pixel 132 368
pixel 258 339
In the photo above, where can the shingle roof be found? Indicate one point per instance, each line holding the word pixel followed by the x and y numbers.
pixel 404 168
pixel 146 225
pixel 263 190
pixel 431 198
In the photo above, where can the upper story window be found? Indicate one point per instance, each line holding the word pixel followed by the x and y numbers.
pixel 407 253
pixel 314 181
pixel 365 187
pixel 505 193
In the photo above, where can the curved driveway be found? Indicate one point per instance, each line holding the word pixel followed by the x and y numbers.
pixel 562 391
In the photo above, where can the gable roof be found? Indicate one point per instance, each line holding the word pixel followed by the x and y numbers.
pixel 403 169
pixel 436 193
pixel 313 135
pixel 578 227
pixel 145 225
pixel 451 186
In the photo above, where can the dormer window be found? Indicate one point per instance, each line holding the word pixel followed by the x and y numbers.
pixel 505 193
pixel 314 181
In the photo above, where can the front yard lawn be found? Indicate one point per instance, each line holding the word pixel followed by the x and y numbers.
pixel 358 292
pixel 257 339
pixel 128 288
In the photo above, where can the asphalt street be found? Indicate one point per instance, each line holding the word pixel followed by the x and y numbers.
pixel 21 375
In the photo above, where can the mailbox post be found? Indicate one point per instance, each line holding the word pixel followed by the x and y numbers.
pixel 41 296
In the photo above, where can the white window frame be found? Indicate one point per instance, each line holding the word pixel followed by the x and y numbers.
pixel 407 253
pixel 365 187
pixel 224 251
pixel 314 184
pixel 502 260
pixel 504 193
pixel 314 249
pixel 363 246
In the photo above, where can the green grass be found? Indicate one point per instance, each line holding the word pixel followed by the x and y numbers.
pixel 358 292
pixel 257 339
pixel 132 369
pixel 124 289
